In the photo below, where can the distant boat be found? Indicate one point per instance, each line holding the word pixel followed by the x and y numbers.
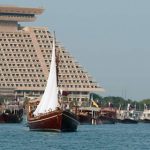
pixel 49 116
pixel 128 121
pixel 96 115
pixel 145 117
pixel 106 120
pixel 128 116
pixel 11 112
pixel 107 115
pixel 88 115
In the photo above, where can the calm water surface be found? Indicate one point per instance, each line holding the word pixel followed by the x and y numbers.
pixel 88 137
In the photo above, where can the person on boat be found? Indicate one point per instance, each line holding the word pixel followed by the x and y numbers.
pixel 145 107
pixel 58 108
pixel 67 106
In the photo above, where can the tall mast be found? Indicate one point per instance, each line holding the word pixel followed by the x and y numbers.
pixel 56 58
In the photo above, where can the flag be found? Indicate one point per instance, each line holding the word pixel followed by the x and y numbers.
pixel 95 104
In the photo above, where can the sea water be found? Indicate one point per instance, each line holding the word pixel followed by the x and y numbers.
pixel 88 137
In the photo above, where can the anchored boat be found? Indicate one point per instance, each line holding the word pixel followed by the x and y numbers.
pixel 12 112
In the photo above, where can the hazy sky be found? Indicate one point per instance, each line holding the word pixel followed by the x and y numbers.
pixel 110 38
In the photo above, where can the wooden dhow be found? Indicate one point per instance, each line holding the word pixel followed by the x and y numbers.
pixel 48 115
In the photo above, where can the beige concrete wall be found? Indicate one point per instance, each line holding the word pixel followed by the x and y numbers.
pixel 8 26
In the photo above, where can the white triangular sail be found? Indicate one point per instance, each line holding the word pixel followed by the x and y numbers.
pixel 49 100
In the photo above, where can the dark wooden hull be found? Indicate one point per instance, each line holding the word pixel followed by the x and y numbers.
pixel 145 120
pixel 9 117
pixel 59 121
pixel 100 120
pixel 85 119
pixel 106 120
pixel 127 121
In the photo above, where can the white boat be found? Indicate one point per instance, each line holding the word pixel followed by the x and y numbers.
pixel 145 117
pixel 128 116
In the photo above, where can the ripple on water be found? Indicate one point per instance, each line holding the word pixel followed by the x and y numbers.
pixel 88 137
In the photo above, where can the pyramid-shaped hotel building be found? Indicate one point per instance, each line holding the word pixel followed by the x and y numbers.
pixel 25 56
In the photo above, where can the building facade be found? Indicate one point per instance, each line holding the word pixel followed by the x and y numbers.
pixel 25 56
